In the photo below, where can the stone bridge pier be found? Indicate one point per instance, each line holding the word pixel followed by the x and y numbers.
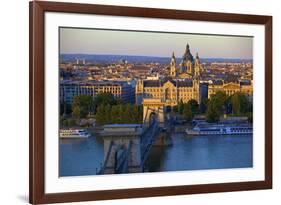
pixel 127 146
pixel 121 142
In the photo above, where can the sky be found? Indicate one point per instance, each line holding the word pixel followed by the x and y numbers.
pixel 115 42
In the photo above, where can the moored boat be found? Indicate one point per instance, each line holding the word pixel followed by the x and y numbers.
pixel 220 129
pixel 74 133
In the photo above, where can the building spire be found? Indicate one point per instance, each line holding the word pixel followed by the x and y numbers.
pixel 173 71
pixel 197 66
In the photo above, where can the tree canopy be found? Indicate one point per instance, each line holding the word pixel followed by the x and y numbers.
pixel 121 113
pixel 187 112
pixel 239 103
pixel 82 105
pixel 180 107
pixel 219 103
pixel 104 99
pixel 194 106
pixel 216 106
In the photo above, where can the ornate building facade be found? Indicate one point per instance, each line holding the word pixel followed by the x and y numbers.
pixel 169 90
pixel 189 68
pixel 230 88
pixel 185 83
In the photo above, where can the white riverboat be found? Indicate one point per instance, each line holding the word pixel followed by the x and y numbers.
pixel 220 129
pixel 74 133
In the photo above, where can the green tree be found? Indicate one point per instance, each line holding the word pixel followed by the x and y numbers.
pixel 180 106
pixel 115 114
pixel 135 117
pixel 122 113
pixel 129 113
pixel 76 112
pixel 212 113
pixel 187 112
pixel 250 117
pixel 101 115
pixel 216 106
pixel 239 103
pixel 107 112
pixel 84 103
pixel 194 106
pixel 126 114
pixel 119 101
pixel 140 114
pixel 219 101
pixel 104 99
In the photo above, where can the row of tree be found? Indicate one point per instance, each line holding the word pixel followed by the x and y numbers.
pixel 109 110
pixel 236 105
pixel 218 104
pixel 105 108
pixel 121 113
pixel 188 110
pixel 83 105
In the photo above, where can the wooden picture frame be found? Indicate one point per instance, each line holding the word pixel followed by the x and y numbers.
pixel 37 11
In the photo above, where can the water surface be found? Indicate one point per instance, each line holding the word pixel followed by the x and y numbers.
pixel 84 156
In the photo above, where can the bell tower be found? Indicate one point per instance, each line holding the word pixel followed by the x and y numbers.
pixel 173 71
pixel 197 66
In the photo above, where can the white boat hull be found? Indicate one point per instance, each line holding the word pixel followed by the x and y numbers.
pixel 191 132
pixel 74 134
pixel 220 129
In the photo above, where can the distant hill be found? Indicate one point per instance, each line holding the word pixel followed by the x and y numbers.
pixel 137 59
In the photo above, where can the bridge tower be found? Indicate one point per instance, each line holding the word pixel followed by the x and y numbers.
pixel 122 149
pixel 153 109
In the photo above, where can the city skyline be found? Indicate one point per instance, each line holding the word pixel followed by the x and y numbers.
pixel 123 109
pixel 157 44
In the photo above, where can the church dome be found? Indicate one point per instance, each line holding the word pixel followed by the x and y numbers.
pixel 187 56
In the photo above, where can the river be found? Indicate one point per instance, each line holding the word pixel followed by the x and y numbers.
pixel 84 156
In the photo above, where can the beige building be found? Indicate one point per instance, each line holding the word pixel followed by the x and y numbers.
pixel 230 88
pixel 169 90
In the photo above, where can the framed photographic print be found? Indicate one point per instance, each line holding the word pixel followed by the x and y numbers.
pixel 138 102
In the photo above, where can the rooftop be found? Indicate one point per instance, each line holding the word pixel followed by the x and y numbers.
pixel 175 82
pixel 92 82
